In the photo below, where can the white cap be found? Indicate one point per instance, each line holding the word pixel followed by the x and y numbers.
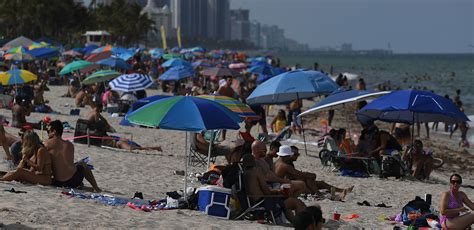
pixel 285 151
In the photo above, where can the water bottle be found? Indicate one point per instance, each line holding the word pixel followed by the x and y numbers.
pixel 428 199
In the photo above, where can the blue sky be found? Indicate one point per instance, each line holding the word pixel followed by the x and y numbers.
pixel 411 26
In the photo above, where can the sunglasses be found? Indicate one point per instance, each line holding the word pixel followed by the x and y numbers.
pixel 456 182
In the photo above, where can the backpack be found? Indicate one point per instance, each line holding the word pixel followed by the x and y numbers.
pixel 391 167
pixel 417 205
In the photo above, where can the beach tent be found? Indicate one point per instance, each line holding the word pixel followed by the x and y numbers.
pixel 19 41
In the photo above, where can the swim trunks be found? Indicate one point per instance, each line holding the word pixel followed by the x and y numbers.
pixel 75 181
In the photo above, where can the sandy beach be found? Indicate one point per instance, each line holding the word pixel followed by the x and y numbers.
pixel 122 173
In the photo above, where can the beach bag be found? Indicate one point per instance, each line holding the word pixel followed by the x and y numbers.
pixel 391 167
pixel 418 207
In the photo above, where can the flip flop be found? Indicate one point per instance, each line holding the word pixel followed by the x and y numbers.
pixel 12 190
pixel 364 203
pixel 382 205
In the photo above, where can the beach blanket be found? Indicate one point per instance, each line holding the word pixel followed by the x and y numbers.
pixel 134 203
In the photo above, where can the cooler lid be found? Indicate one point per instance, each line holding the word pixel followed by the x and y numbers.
pixel 214 188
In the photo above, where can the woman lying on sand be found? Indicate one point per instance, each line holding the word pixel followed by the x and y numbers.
pixel 35 166
pixel 453 213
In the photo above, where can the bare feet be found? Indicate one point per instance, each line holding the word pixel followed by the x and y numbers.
pixel 346 191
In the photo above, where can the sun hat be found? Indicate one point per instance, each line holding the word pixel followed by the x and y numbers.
pixel 285 151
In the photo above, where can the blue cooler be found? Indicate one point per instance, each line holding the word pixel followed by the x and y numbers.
pixel 214 201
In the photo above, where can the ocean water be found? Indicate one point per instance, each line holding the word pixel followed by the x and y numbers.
pixel 431 72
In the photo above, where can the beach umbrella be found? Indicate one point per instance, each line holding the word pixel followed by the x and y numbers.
pixel 185 113
pixel 16 76
pixel 412 106
pixel 234 105
pixel 294 85
pixel 44 52
pixel 171 56
pixel 75 65
pixel 72 53
pixel 36 45
pixel 101 76
pixel 176 62
pixel 18 54
pixel 156 53
pixel 115 63
pixel 138 104
pixel 238 66
pixel 202 62
pixel 287 87
pixel 261 78
pixel 219 72
pixel 98 56
pixel 19 41
pixel 88 49
pixel 342 97
pixel 264 69
pixel 131 82
pixel 177 73
pixel 116 51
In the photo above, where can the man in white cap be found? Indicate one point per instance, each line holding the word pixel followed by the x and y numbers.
pixel 284 169
pixel 259 150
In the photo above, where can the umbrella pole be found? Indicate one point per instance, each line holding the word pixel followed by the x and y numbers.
pixel 210 149
pixel 302 129
pixel 413 130
pixel 186 167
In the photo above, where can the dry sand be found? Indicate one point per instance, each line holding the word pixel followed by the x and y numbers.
pixel 122 173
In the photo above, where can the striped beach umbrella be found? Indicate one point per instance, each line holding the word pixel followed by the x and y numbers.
pixel 17 76
pixel 18 54
pixel 131 82
pixel 101 76
pixel 234 105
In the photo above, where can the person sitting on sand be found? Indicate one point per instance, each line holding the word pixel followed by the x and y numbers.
pixel 35 165
pixel 97 120
pixel 284 168
pixel 264 163
pixel 309 219
pixel 257 188
pixel 7 140
pixel 421 162
pixel 66 173
pixel 83 97
pixel 385 144
pixel 453 213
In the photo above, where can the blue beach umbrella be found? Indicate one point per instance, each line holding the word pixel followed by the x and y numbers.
pixel 264 69
pixel 175 62
pixel 115 63
pixel 412 106
pixel 131 82
pixel 177 73
pixel 44 52
pixel 290 86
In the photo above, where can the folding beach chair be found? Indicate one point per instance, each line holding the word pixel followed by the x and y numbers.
pixel 198 157
pixel 84 128
pixel 264 205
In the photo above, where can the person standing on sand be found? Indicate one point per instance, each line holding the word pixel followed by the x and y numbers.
pixel 66 173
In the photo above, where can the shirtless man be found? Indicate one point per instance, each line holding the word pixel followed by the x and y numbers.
pixel 226 89
pixel 384 144
pixel 7 140
pixel 257 188
pixel 284 168
pixel 259 151
pixel 66 173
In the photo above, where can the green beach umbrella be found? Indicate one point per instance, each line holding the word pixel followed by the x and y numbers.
pixel 101 76
pixel 75 65
pixel 171 56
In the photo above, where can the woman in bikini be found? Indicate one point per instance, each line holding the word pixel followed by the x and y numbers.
pixel 35 166
pixel 452 206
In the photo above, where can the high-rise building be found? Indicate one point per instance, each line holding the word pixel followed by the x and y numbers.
pixel 161 16
pixel 202 18
pixel 219 19
pixel 239 25
pixel 254 33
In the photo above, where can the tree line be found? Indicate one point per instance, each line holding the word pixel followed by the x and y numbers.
pixel 66 20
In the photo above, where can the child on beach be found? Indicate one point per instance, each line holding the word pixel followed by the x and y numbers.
pixel 279 122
